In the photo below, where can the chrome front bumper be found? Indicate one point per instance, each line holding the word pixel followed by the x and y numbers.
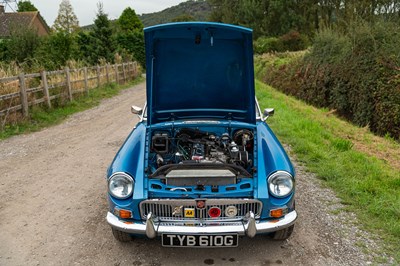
pixel 249 226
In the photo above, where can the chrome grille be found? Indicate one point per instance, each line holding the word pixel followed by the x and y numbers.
pixel 167 209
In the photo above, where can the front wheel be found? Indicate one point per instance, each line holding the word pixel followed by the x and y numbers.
pixel 283 234
pixel 121 236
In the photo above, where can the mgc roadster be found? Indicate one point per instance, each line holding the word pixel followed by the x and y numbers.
pixel 201 168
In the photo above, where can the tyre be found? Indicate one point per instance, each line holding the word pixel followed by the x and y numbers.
pixel 121 236
pixel 283 234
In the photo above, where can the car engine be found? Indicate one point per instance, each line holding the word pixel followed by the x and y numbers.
pixel 190 145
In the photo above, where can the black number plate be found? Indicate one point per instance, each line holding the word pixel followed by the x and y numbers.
pixel 174 240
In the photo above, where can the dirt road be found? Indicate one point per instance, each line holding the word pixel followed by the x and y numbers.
pixel 53 205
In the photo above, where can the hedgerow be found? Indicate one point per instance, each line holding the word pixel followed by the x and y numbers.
pixel 291 41
pixel 357 73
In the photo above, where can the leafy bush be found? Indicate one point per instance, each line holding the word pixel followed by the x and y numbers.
pixel 56 50
pixel 357 73
pixel 267 44
pixel 292 41
pixel 22 44
pixel 3 50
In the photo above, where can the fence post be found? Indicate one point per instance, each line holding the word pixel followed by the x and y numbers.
pixel 68 78
pixel 107 73
pixel 23 95
pixel 98 75
pixel 116 73
pixel 127 70
pixel 45 88
pixel 134 69
pixel 86 80
pixel 124 72
pixel 131 70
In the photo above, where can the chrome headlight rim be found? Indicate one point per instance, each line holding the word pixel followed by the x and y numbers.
pixel 276 175
pixel 128 177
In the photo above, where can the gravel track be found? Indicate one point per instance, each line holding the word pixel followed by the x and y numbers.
pixel 53 205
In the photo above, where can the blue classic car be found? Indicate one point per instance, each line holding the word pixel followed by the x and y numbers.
pixel 202 167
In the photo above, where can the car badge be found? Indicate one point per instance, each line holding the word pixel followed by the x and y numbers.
pixel 177 210
pixel 189 213
pixel 200 204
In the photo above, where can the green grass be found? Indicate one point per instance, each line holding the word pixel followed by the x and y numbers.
pixel 41 118
pixel 368 186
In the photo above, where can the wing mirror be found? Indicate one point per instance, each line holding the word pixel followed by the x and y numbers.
pixel 268 112
pixel 136 110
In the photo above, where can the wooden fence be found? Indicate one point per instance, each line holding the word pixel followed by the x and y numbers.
pixel 18 93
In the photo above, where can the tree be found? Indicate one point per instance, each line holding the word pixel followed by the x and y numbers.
pixel 26 6
pixel 129 21
pixel 99 43
pixel 130 37
pixel 85 43
pixel 133 43
pixel 183 18
pixel 267 17
pixel 66 20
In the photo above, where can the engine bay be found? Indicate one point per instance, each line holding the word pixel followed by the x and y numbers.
pixel 206 157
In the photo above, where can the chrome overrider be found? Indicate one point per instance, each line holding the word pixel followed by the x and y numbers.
pixel 249 226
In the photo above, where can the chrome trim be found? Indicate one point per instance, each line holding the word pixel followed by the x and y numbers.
pixel 178 188
pixel 251 229
pixel 247 227
pixel 163 209
pixel 150 230
pixel 259 116
pixel 273 175
pixel 201 122
pixel 136 110
pixel 123 174
pixel 143 117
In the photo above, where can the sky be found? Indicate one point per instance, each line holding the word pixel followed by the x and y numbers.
pixel 85 10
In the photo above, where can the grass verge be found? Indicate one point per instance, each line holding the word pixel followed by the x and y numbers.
pixel 41 118
pixel 368 186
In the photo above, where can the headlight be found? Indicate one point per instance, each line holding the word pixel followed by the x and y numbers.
pixel 120 185
pixel 280 184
